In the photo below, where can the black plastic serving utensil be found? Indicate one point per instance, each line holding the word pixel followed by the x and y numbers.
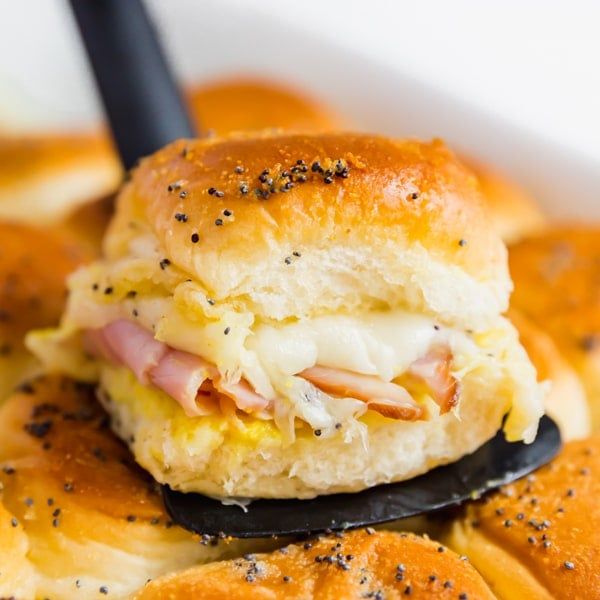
pixel 145 111
pixel 495 463
pixel 142 102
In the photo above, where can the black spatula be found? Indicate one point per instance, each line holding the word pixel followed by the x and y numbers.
pixel 142 102
pixel 145 111
pixel 494 464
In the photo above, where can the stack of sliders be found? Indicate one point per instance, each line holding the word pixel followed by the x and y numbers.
pixel 284 316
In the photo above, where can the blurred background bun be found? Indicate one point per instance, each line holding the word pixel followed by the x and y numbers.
pixel 514 213
pixel 566 400
pixel 253 104
pixel 358 564
pixel 539 537
pixel 92 519
pixel 557 287
pixel 33 267
pixel 16 572
pixel 44 178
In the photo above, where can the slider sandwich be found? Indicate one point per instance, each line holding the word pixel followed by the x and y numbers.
pixel 291 315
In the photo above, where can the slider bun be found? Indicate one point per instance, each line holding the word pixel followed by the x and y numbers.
pixel 364 242
pixel 44 178
pixel 566 401
pixel 88 513
pixel 504 536
pixel 557 286
pixel 372 569
pixel 253 104
pixel 514 213
pixel 33 267
pixel 16 572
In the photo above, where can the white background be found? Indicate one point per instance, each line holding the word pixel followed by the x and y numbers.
pixel 517 82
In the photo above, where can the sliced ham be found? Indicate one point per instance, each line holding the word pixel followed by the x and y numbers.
pixel 389 399
pixel 181 375
pixel 135 347
pixel 192 381
pixel 434 370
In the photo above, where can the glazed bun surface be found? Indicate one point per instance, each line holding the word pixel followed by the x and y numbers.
pixel 253 104
pixel 514 213
pixel 538 538
pixel 356 564
pixel 566 400
pixel 91 520
pixel 34 265
pixel 45 178
pixel 557 286
pixel 405 227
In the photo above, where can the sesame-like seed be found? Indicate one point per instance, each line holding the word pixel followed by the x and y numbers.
pixel 408 590
pixel 432 578
pixel 370 531
pixel 414 195
pixel 239 169
pixel 547 543
pixel 164 263
pixel 286 579
pixel 56 512
pixel 181 217
pixel 531 539
pixel 218 222
pixel 520 516
pixel 14 522
pixel 227 330
pixel 508 523
pixel 448 584
pixel 131 518
pixel 441 549
pixel 211 190
pixel 55 522
pixel 499 511
pixel 8 470
pixel 210 301
pixel 68 487
pixel 219 194
pixel 570 492
pixel 338 425
pixel 569 565
pixel 328 179
pixel 462 596
pixel 195 238
pixel 244 189
pixel 318 432
pixel 183 194
pixel 95 287
pixel 462 243
pixel 287 260
pixel 28 501
pixel 108 290
pixel 227 212
pixel 584 471
pixel 103 590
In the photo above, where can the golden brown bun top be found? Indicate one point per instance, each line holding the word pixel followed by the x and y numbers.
pixel 56 443
pixel 33 268
pixel 514 212
pixel 24 156
pixel 245 104
pixel 383 564
pixel 375 194
pixel 557 505
pixel 557 285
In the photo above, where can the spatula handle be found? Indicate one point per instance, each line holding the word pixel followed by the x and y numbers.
pixel 140 97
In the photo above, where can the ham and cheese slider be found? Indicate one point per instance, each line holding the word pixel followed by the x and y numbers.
pixel 293 315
